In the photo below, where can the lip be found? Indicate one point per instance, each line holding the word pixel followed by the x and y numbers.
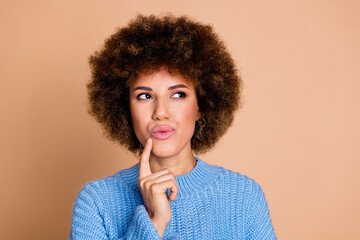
pixel 162 132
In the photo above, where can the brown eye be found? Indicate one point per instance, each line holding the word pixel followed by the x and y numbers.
pixel 143 96
pixel 179 95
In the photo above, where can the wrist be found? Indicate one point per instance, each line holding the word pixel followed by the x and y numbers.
pixel 160 226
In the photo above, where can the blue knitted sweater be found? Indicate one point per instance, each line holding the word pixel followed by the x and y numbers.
pixel 212 203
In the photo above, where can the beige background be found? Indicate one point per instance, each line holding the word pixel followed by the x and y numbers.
pixel 298 133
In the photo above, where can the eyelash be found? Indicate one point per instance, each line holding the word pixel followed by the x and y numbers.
pixel 148 96
pixel 181 93
pixel 141 94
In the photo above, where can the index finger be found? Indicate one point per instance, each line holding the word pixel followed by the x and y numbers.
pixel 144 166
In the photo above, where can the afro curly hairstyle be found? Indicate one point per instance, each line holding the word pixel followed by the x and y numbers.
pixel 181 45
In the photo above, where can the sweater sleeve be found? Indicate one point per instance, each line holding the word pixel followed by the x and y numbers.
pixel 88 220
pixel 259 224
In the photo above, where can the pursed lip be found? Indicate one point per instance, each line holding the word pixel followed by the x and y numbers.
pixel 162 132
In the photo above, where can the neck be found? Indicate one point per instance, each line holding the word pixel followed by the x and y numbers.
pixel 178 164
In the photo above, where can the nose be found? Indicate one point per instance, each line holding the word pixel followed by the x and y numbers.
pixel 161 110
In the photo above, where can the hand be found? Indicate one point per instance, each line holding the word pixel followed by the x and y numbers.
pixel 153 188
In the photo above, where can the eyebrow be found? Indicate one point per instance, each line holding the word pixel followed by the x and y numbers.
pixel 142 88
pixel 170 88
pixel 177 86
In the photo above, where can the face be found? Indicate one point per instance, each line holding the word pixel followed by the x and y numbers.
pixel 164 107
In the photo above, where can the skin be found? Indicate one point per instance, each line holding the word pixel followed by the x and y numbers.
pixel 159 99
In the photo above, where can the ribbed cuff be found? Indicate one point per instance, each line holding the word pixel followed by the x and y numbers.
pixel 141 226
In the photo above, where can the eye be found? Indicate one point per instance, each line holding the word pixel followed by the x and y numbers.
pixel 143 96
pixel 179 95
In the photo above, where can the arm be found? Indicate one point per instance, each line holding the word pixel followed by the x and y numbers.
pixel 88 220
pixel 153 187
pixel 258 224
pixel 148 222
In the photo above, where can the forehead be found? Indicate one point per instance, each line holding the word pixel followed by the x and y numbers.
pixel 161 78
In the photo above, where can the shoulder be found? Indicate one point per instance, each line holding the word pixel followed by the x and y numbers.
pixel 242 185
pixel 248 193
pixel 238 179
pixel 122 181
pixel 246 196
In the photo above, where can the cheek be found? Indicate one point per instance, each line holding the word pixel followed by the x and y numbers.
pixel 138 121
pixel 189 115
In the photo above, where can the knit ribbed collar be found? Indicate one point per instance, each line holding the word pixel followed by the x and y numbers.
pixel 201 176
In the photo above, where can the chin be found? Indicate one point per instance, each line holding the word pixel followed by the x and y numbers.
pixel 162 150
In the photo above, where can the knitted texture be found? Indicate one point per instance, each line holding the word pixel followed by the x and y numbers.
pixel 212 203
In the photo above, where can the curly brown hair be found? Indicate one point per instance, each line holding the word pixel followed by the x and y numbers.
pixel 183 46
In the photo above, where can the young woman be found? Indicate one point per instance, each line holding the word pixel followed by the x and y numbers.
pixel 166 88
